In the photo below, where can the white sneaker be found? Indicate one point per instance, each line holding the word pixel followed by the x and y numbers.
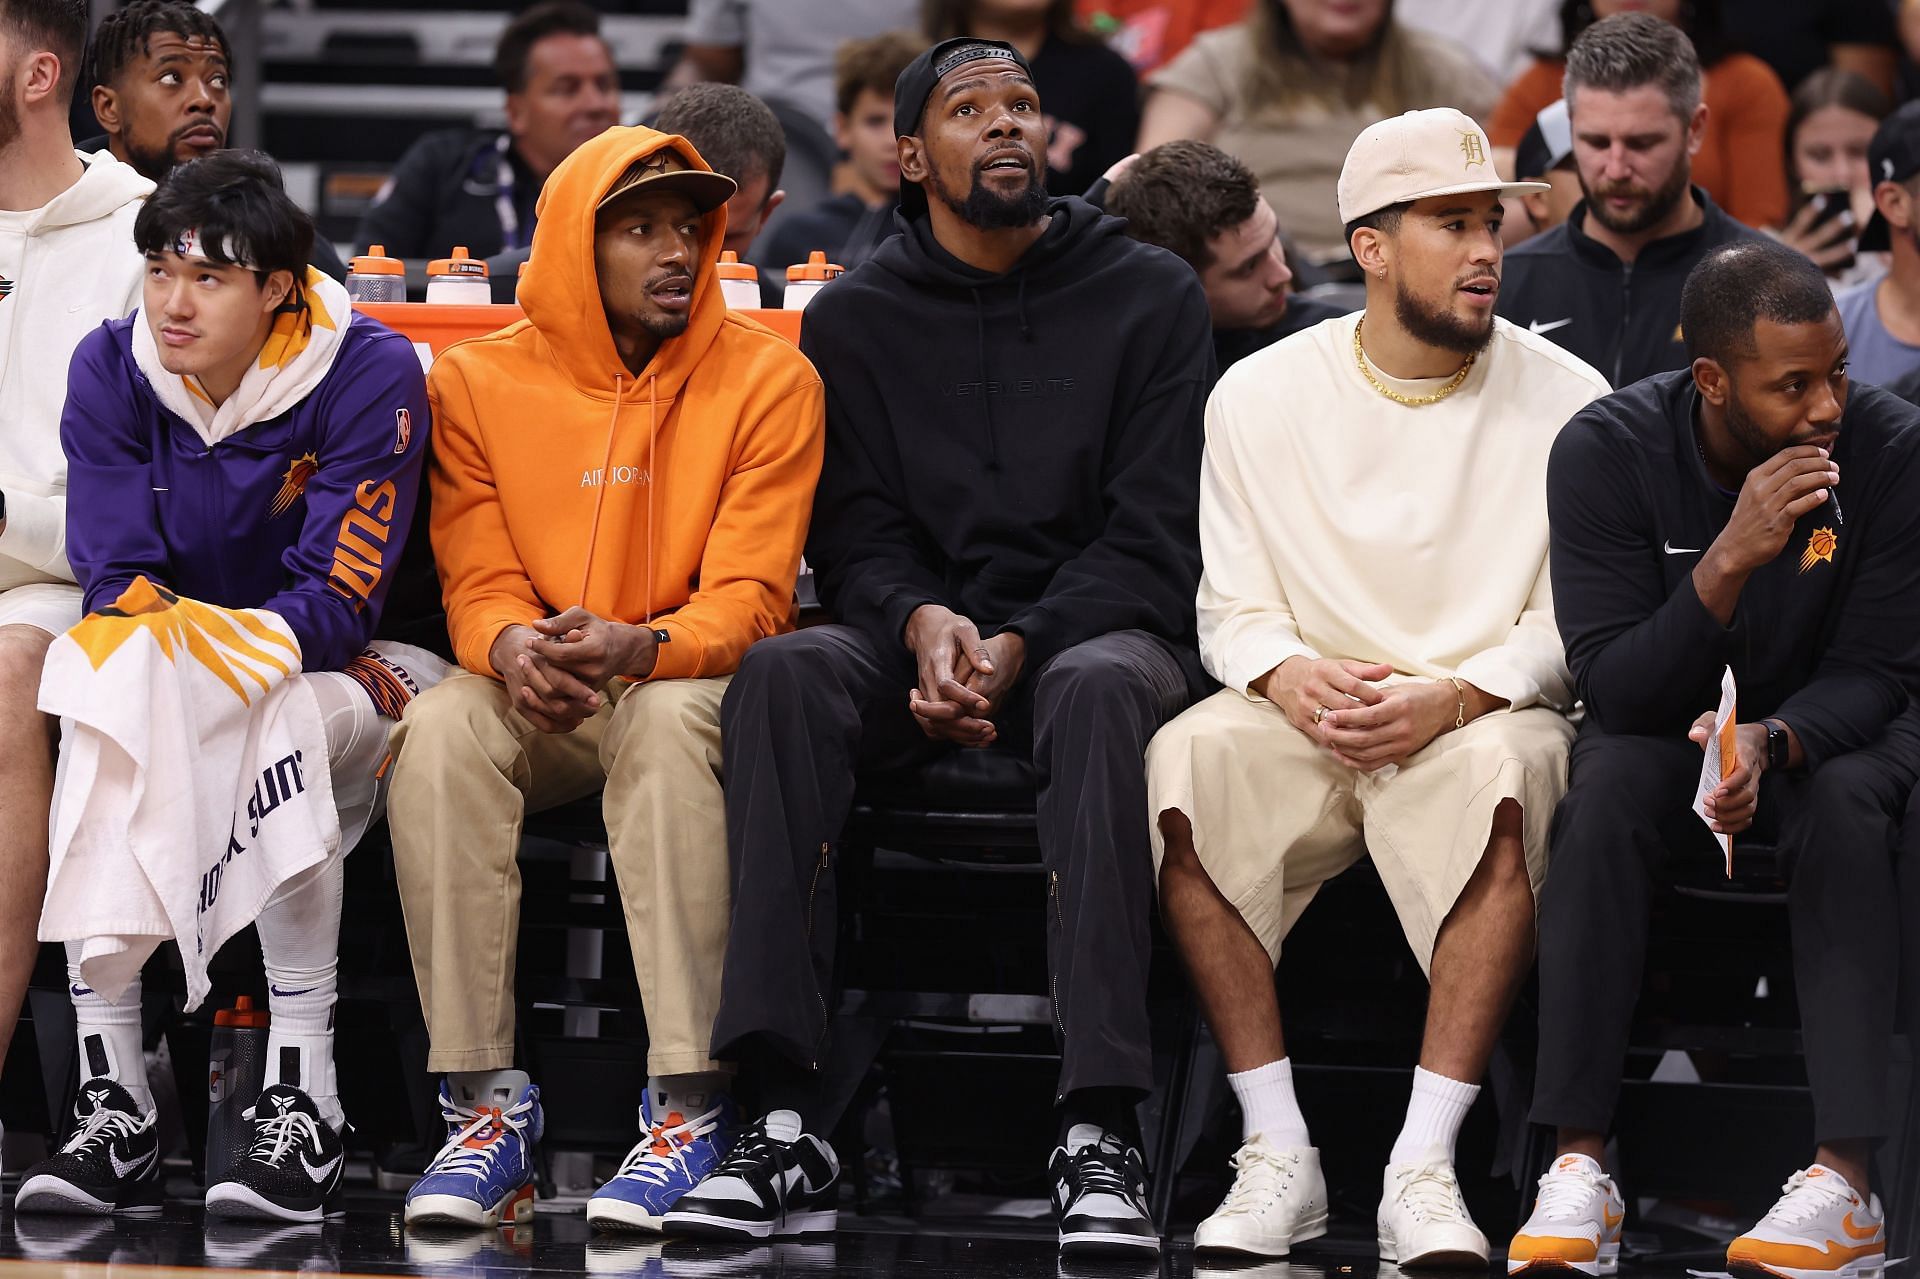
pixel 1279 1198
pixel 1820 1229
pixel 1575 1223
pixel 1424 1221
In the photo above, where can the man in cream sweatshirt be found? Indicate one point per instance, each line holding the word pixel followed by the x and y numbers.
pixel 1375 597
pixel 67 262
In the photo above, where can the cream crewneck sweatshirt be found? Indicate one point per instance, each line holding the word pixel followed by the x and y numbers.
pixel 1337 523
pixel 65 267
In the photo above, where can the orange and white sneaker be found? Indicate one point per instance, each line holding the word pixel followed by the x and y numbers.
pixel 1575 1223
pixel 1820 1229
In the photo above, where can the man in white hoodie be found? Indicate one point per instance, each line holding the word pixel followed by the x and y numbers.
pixel 67 262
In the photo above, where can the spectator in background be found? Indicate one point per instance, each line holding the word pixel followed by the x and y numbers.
pixel 1829 130
pixel 850 225
pixel 67 263
pixel 1092 98
pixel 1606 283
pixel 1882 317
pixel 1738 160
pixel 1202 204
pixel 480 188
pixel 738 136
pixel 1545 154
pixel 161 75
pixel 1501 34
pixel 1148 33
pixel 1798 37
pixel 782 51
pixel 1288 90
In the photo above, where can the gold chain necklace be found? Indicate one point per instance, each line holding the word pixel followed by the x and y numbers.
pixel 1411 401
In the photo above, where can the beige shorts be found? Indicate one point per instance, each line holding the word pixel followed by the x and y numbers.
pixel 53 607
pixel 1274 816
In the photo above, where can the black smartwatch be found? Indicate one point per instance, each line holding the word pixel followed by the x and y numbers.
pixel 1777 744
pixel 661 635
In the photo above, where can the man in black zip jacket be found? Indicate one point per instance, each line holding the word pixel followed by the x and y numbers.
pixel 1007 533
pixel 1605 284
pixel 1697 524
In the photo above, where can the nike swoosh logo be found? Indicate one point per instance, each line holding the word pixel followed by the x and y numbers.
pixel 1612 1219
pixel 79 992
pixel 122 1168
pixel 288 994
pixel 1846 1223
pixel 325 1170
pixel 1535 326
pixel 1671 549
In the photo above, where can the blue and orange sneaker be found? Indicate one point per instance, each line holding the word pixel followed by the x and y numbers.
pixel 483 1176
pixel 673 1155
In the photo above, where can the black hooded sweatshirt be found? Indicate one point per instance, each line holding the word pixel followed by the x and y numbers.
pixel 1021 448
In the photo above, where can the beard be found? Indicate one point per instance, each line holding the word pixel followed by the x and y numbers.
pixel 1653 207
pixel 9 118
pixel 1745 432
pixel 665 326
pixel 987 210
pixel 1437 327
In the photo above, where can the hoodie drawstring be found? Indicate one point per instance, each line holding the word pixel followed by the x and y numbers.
pixel 986 401
pixel 1020 307
pixel 600 495
pixel 653 427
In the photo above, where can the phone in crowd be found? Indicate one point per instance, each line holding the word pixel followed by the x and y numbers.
pixel 1829 206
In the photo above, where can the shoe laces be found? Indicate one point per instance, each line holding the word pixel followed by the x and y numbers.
pixel 664 1147
pixel 1803 1198
pixel 103 1125
pixel 473 1146
pixel 1566 1195
pixel 1260 1175
pixel 1099 1169
pixel 275 1136
pixel 753 1149
pixel 1429 1192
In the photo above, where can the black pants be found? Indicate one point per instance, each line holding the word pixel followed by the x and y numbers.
pixel 809 709
pixel 1626 818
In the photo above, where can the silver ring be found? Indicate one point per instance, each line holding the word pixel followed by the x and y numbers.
pixel 1322 713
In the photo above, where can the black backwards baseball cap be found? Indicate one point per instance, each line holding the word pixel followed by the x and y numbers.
pixel 917 83
pixel 1892 156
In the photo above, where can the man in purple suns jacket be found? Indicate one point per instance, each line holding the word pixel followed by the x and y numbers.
pixel 245 440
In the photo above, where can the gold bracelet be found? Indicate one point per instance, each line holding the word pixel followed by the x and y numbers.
pixel 1459 691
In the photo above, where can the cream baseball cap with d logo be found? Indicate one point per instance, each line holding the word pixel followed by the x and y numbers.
pixel 1420 154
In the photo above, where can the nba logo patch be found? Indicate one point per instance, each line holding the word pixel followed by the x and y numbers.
pixel 403 432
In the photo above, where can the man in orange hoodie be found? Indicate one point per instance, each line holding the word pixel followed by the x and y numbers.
pixel 620 486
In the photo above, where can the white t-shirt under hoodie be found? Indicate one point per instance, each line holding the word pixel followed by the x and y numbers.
pixel 64 268
pixel 1335 522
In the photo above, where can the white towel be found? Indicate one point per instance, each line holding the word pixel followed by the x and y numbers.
pixel 193 781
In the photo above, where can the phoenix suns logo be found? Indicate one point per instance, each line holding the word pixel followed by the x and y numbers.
pixel 1821 544
pixel 293 484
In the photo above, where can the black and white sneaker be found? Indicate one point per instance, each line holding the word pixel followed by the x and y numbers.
pixel 777 1182
pixel 1100 1194
pixel 292 1167
pixel 110 1164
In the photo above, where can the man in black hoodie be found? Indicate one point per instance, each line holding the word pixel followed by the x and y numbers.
pixel 1697 528
pixel 1006 531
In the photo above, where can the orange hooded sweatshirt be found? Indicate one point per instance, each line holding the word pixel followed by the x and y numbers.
pixel 678 497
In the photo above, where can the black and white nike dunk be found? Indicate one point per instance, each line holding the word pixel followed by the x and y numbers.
pixel 1100 1194
pixel 110 1164
pixel 292 1167
pixel 776 1182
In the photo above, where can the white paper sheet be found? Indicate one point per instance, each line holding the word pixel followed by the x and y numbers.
pixel 1721 759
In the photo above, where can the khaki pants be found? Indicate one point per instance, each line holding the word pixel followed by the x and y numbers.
pixel 468 767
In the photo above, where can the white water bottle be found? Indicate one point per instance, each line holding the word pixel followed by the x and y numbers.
pixel 739 282
pixel 375 277
pixel 806 279
pixel 458 281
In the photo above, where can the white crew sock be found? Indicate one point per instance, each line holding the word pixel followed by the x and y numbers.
pixel 109 1034
pixel 300 944
pixel 1267 1105
pixel 692 1095
pixel 1434 1114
